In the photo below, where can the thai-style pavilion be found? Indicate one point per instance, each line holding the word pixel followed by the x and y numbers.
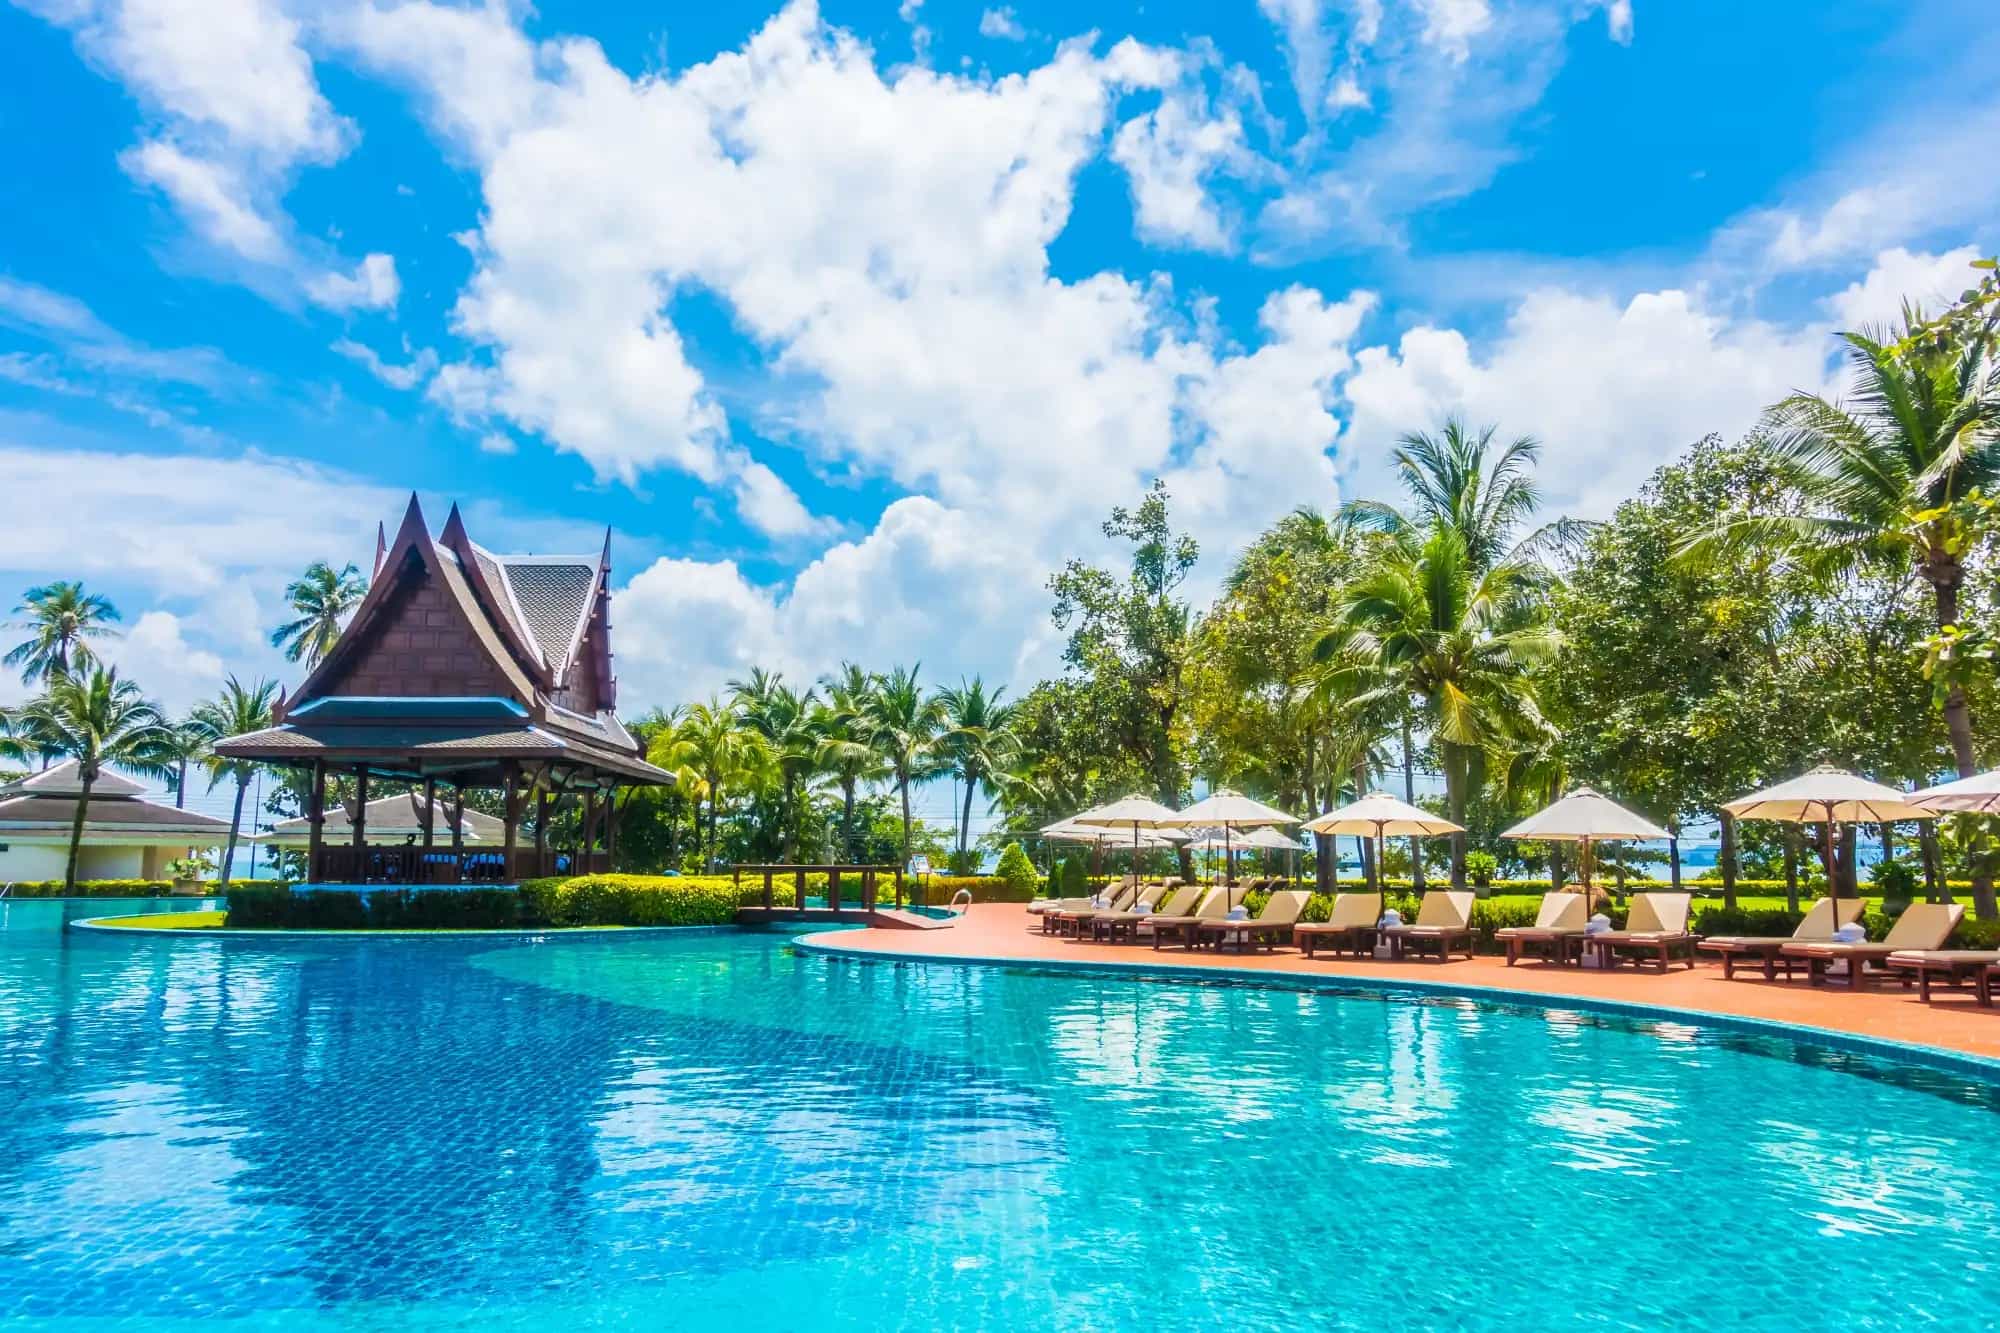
pixel 462 669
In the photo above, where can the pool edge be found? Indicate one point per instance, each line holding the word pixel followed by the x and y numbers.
pixel 1984 1068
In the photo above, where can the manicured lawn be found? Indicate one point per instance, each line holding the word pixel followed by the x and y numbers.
pixel 168 921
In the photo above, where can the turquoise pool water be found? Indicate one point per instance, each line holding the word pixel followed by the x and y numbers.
pixel 714 1131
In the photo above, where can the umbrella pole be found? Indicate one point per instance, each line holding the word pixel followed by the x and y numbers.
pixel 1832 871
pixel 1381 885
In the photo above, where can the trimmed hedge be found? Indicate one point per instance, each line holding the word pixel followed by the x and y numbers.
pixel 123 888
pixel 629 900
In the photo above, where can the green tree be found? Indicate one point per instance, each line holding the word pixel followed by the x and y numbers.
pixel 1016 869
pixel 790 724
pixel 238 709
pixel 714 742
pixel 846 752
pixel 904 724
pixel 61 620
pixel 321 599
pixel 1130 636
pixel 100 721
pixel 186 745
pixel 1462 639
pixel 977 743
pixel 1893 475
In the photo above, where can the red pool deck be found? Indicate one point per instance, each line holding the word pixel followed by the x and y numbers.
pixel 1952 1022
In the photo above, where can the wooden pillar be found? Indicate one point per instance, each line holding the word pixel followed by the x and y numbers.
pixel 458 823
pixel 611 813
pixel 799 890
pixel 868 890
pixel 587 834
pixel 361 826
pixel 833 888
pixel 430 812
pixel 511 824
pixel 542 832
pixel 315 820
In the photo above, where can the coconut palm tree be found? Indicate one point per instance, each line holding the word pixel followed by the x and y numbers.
pixel 978 742
pixel 61 619
pixel 664 750
pixel 1461 639
pixel 846 753
pixel 1456 480
pixel 1893 473
pixel 322 599
pixel 100 721
pixel 715 742
pixel 239 708
pixel 789 723
pixel 903 725
pixel 187 744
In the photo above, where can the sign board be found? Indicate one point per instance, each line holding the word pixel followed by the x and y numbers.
pixel 920 864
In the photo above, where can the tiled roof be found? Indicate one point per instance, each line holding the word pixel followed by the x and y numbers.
pixel 554 595
pixel 61 780
pixel 122 812
pixel 395 817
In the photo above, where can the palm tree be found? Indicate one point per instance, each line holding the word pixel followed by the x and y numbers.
pixel 665 732
pixel 978 742
pixel 61 619
pixel 1427 621
pixel 322 599
pixel 845 749
pixel 187 743
pixel 903 725
pixel 238 709
pixel 1456 484
pixel 715 743
pixel 99 721
pixel 789 724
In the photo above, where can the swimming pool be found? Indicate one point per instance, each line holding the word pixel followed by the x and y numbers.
pixel 714 1131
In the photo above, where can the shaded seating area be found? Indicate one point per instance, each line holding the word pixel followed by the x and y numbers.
pixel 1270 927
pixel 1656 928
pixel 1213 905
pixel 1559 923
pixel 1110 925
pixel 1952 967
pixel 1443 927
pixel 1351 926
pixel 1922 927
pixel 1819 923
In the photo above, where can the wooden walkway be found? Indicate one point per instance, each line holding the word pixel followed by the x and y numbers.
pixel 879 918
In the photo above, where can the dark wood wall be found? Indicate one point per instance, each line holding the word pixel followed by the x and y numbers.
pixel 421 644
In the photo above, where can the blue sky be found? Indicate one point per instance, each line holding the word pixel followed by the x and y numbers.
pixel 851 321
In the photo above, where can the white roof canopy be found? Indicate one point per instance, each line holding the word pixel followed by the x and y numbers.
pixel 1228 809
pixel 1586 815
pixel 1380 813
pixel 1830 795
pixel 1978 793
pixel 1129 812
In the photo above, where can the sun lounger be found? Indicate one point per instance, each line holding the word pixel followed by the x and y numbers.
pixel 1954 966
pixel 1270 927
pixel 1351 924
pixel 1072 922
pixel 1110 925
pixel 1818 924
pixel 1214 903
pixel 1656 927
pixel 1922 927
pixel 1444 923
pixel 1561 919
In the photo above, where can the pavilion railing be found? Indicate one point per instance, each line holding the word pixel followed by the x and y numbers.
pixel 412 864
pixel 864 879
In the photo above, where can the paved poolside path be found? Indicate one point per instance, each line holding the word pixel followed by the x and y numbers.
pixel 1004 931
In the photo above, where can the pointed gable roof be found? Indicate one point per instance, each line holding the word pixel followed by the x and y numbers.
pixel 62 780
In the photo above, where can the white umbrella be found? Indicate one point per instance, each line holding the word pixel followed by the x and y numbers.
pixel 1382 815
pixel 1829 796
pixel 1586 816
pixel 1229 810
pixel 1978 794
pixel 1134 812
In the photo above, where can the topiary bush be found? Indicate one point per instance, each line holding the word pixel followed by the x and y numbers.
pixel 1017 871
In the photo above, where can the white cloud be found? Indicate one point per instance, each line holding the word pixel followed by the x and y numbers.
pixel 156 653
pixel 1930 281
pixel 767 504
pixel 1618 20
pixel 238 113
pixel 1170 153
pixel 1612 389
pixel 408 375
pixel 497 443
pixel 1450 25
pixel 1001 23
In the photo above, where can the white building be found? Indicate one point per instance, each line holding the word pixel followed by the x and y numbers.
pixel 125 836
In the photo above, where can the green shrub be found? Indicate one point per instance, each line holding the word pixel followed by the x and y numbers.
pixel 1075 878
pixel 1017 871
pixel 1973 934
pixel 1480 867
pixel 631 900
pixel 1897 881
pixel 962 862
pixel 587 900
pixel 114 888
